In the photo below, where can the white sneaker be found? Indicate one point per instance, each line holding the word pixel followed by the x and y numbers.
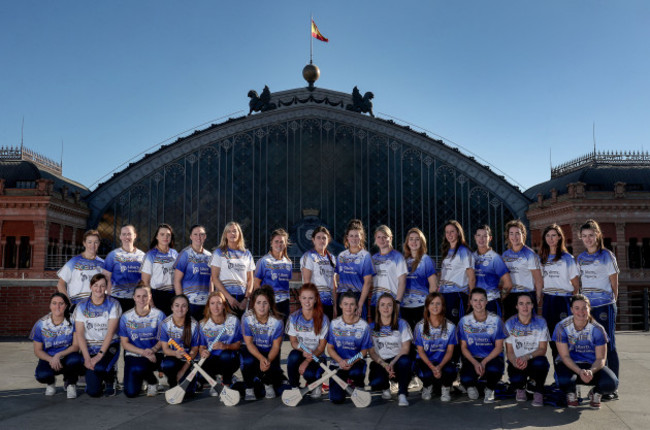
pixel 472 393
pixel 402 401
pixel 386 395
pixel 489 396
pixel 50 389
pixel 152 390
pixel 415 384
pixel 213 392
pixel 316 393
pixel 71 391
pixel 270 392
pixel 446 394
pixel 250 395
pixel 426 392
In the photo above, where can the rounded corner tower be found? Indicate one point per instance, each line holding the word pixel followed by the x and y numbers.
pixel 304 157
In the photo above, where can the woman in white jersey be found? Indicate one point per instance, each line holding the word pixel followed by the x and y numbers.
pixel 232 268
pixel 307 329
pixel 192 272
pixel 421 278
pixel 457 278
pixel 390 269
pixel 158 268
pixel 561 278
pixel 96 319
pixel 391 339
pixel 599 279
pixel 525 270
pixel 75 275
pixel 318 267
pixel 122 268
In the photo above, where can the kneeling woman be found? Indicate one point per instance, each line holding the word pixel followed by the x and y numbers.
pixel 391 338
pixel 582 347
pixel 184 329
pixel 348 336
pixel 307 327
pixel 435 339
pixel 220 321
pixel 526 350
pixel 481 336
pixel 56 347
pixel 263 330
pixel 139 337
pixel 96 319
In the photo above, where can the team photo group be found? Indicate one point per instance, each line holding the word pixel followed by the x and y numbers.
pixel 198 317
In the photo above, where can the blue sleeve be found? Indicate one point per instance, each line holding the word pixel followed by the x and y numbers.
pixel 599 336
pixel 181 262
pixel 36 334
pixel 237 337
pixel 246 330
pixel 279 330
pixel 196 337
pixel 259 270
pixel 109 262
pixel 366 341
pixel 122 331
pixel 429 267
pixel 460 333
pixel 500 267
pixel 163 336
pixel 366 267
pixel 417 338
pixel 502 333
pixel 331 339
pixel 559 335
pixel 453 338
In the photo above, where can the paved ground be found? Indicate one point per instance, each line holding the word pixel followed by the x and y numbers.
pixel 23 405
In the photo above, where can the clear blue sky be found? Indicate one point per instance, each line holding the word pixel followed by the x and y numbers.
pixel 506 80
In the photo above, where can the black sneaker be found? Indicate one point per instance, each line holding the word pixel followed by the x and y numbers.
pixel 109 391
pixel 609 397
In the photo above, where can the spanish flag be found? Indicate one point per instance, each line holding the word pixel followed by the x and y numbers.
pixel 315 33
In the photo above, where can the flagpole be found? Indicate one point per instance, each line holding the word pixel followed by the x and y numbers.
pixel 311 41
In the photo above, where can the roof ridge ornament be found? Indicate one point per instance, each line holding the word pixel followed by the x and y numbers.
pixel 361 104
pixel 260 103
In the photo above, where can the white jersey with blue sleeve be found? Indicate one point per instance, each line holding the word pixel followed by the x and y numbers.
pixel 231 334
pixel 525 338
pixel 303 329
pixel 436 342
pixel 125 271
pixel 55 338
pixel 582 344
pixel 454 277
pixel 349 339
pixel 234 266
pixel 595 270
pixel 276 274
pixel 160 266
pixel 388 342
pixel 77 274
pixel 388 269
pixel 558 274
pixel 95 319
pixel 351 268
pixel 322 268
pixel 481 336
pixel 168 330
pixel 142 331
pixel 520 265
pixel 263 334
pixel 417 281
pixel 489 268
pixel 196 274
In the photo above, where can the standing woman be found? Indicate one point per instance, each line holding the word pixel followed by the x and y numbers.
pixel 75 275
pixel 56 347
pixel 524 268
pixel 421 278
pixel 138 332
pixel 435 339
pixel 122 268
pixel 490 269
pixel 318 267
pixel 192 272
pixel 262 329
pixel 599 277
pixel 481 336
pixel 390 269
pixel 560 274
pixel 223 358
pixel 184 329
pixel 457 278
pixel 274 269
pixel 526 350
pixel 348 336
pixel 96 320
pixel 391 339
pixel 354 267
pixel 158 268
pixel 307 326
pixel 582 348
pixel 232 268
